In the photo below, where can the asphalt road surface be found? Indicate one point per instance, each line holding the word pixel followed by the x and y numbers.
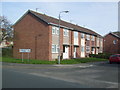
pixel 90 75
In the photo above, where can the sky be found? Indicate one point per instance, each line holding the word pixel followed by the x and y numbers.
pixel 101 17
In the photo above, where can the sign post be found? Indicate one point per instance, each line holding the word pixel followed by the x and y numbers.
pixel 28 57
pixel 22 57
pixel 25 51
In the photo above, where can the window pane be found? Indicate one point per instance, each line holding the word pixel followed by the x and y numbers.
pixel 57 48
pixel 76 34
pixel 87 49
pixel 53 48
pixel 88 37
pixel 82 35
pixel 53 30
pixel 57 30
pixel 82 49
pixel 65 32
pixel 93 38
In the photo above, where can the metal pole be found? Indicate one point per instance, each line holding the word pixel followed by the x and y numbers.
pixel 28 57
pixel 22 57
pixel 59 42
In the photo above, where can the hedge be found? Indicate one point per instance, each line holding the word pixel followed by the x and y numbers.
pixel 101 55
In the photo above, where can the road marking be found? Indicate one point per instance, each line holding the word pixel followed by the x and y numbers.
pixel 86 66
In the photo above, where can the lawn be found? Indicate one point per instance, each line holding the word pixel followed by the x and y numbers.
pixel 70 61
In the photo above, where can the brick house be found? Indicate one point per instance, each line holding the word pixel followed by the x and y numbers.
pixel 40 33
pixel 112 43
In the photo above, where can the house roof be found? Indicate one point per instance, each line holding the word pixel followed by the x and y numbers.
pixel 116 34
pixel 55 21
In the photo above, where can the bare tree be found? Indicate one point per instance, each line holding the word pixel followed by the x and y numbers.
pixel 6 30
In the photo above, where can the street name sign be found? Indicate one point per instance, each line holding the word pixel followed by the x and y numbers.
pixel 25 50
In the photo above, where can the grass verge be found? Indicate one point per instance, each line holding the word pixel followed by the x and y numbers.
pixel 70 61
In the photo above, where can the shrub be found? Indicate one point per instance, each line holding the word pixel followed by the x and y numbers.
pixel 101 55
pixel 7 52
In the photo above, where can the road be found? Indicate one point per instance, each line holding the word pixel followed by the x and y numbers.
pixel 90 75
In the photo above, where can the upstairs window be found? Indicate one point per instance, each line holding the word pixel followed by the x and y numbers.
pixel 88 37
pixel 55 30
pixel 65 32
pixel 114 41
pixel 93 38
pixel 75 34
pixel 82 35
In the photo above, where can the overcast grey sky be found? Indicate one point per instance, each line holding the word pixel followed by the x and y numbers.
pixel 101 17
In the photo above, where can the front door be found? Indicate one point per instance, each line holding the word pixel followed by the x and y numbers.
pixel 75 51
pixel 65 52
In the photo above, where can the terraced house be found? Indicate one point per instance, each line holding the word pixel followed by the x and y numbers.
pixel 40 33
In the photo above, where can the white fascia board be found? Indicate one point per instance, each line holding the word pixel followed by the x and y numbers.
pixel 20 18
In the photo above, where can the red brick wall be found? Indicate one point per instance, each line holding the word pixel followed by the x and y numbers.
pixel 61 40
pixel 78 48
pixel 70 42
pixel 108 45
pixel 25 32
pixel 50 43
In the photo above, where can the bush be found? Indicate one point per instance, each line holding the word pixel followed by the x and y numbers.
pixel 7 52
pixel 101 55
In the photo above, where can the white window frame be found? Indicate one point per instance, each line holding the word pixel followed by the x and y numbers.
pixel 82 35
pixel 114 41
pixel 53 47
pixel 88 37
pixel 82 48
pixel 65 32
pixel 53 28
pixel 93 38
pixel 56 47
pixel 87 49
pixel 76 34
pixel 56 30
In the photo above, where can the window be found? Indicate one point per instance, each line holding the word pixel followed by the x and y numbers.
pixel 98 39
pixel 76 38
pixel 55 48
pixel 93 38
pixel 87 49
pixel 88 37
pixel 114 41
pixel 55 30
pixel 82 35
pixel 75 34
pixel 82 49
pixel 65 32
